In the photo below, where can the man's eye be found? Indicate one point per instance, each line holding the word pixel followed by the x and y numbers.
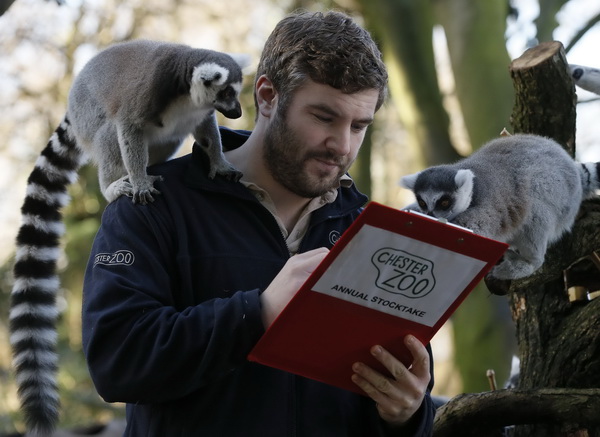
pixel 359 127
pixel 323 118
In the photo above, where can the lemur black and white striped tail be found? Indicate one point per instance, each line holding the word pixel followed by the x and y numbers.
pixel 590 178
pixel 33 311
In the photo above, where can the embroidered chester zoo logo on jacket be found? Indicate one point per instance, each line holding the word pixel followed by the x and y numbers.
pixel 118 258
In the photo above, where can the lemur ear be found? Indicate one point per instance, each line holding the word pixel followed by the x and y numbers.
pixel 409 181
pixel 464 190
pixel 464 180
pixel 242 59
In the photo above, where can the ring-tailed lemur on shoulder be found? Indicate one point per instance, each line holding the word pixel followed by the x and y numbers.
pixel 524 190
pixel 131 106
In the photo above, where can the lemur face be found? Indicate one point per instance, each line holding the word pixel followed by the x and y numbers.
pixel 227 101
pixel 219 87
pixel 437 204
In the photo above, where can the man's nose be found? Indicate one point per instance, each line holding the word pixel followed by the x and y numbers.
pixel 339 142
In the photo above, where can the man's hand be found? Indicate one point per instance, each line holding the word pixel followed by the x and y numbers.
pixel 288 281
pixel 398 397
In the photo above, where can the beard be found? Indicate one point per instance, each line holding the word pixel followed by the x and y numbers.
pixel 287 160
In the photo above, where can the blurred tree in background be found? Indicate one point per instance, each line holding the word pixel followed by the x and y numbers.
pixel 438 111
pixel 47 49
pixel 474 32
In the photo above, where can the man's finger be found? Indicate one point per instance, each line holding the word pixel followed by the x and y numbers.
pixel 420 363
pixel 391 363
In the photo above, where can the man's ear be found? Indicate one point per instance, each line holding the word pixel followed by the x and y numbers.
pixel 266 96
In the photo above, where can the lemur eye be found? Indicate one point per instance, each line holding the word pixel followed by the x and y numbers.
pixel 444 203
pixel 227 93
pixel 421 203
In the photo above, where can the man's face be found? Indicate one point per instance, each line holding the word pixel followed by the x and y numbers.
pixel 314 142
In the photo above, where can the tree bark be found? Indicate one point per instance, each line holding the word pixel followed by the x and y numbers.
pixel 559 340
pixel 485 414
pixel 545 99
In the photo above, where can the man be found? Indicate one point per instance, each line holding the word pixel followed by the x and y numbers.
pixel 210 264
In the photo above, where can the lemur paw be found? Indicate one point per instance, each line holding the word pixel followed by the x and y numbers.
pixel 140 193
pixel 226 170
pixel 512 268
pixel 144 193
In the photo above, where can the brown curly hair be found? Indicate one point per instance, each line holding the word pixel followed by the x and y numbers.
pixel 327 48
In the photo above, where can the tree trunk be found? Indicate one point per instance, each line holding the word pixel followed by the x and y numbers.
pixel 477 48
pixel 559 339
pixel 482 328
pixel 404 28
pixel 545 22
pixel 545 99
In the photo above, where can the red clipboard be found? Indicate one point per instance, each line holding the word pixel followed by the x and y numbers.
pixel 392 273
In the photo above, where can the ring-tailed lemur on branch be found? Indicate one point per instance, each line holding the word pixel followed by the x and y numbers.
pixel 524 190
pixel 131 106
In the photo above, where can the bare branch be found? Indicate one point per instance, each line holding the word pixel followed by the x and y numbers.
pixel 466 413
pixel 591 23
pixel 4 5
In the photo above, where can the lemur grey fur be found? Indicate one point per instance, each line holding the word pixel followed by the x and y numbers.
pixel 524 190
pixel 131 106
